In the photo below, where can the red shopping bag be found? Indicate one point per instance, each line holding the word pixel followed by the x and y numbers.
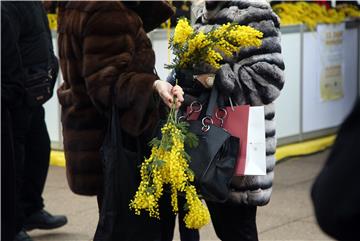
pixel 248 124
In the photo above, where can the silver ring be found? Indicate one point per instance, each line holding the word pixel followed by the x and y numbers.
pixel 205 128
pixel 222 117
pixel 195 104
pixel 182 118
pixel 207 118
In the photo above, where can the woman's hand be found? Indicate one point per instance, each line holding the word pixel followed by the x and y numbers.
pixel 167 93
pixel 207 80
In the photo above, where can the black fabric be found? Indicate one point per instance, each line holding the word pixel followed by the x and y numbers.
pixel 233 222
pixel 121 179
pixel 213 160
pixel 32 153
pixel 12 88
pixel 38 87
pixel 26 45
pixel 21 123
pixel 168 218
pixel 187 83
pixel 12 94
pixel 36 162
pixel 8 191
pixel 31 36
pixel 335 193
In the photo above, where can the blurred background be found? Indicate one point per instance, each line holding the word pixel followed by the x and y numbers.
pixel 321 49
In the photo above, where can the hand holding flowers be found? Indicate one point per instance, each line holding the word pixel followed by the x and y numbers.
pixel 171 95
pixel 168 165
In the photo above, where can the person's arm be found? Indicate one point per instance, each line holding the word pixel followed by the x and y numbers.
pixel 109 43
pixel 12 89
pixel 53 61
pixel 261 70
pixel 255 75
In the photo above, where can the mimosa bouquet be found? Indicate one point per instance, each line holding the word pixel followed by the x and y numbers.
pixel 196 49
pixel 169 162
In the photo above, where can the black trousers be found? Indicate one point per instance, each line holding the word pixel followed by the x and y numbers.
pixel 233 222
pixel 8 208
pixel 168 219
pixel 37 159
pixel 32 154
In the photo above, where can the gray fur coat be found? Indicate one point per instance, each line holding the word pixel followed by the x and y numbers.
pixel 254 76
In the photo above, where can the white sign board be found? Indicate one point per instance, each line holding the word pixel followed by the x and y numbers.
pixel 331 66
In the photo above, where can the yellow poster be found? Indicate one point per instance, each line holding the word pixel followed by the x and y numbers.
pixel 331 61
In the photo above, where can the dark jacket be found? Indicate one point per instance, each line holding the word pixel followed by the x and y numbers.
pixel 335 193
pixel 12 88
pixel 104 48
pixel 26 45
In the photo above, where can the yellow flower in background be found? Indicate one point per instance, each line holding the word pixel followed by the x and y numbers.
pixel 348 10
pixel 52 18
pixel 312 14
pixel 182 31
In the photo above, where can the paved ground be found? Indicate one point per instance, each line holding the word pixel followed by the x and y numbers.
pixel 289 216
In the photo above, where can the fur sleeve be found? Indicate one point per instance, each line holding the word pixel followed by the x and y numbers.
pixel 257 73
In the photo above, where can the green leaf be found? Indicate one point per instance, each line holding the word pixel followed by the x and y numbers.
pixel 159 163
pixel 151 189
pixel 183 127
pixel 187 156
pixel 155 142
pixel 166 143
pixel 190 172
pixel 148 168
pixel 186 207
pixel 192 140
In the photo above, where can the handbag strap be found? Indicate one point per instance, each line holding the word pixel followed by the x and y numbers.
pixel 113 129
pixel 212 102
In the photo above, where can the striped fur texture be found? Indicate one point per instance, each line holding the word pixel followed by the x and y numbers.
pixel 254 76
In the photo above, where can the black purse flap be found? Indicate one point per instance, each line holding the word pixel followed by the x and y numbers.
pixel 213 161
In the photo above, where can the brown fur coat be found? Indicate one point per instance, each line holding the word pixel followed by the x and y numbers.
pixel 104 48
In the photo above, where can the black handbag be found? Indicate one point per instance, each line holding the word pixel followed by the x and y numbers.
pixel 121 180
pixel 213 161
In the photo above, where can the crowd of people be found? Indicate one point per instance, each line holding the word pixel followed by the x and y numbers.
pixel 107 60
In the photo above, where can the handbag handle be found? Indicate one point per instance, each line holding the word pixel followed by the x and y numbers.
pixel 212 101
pixel 207 121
